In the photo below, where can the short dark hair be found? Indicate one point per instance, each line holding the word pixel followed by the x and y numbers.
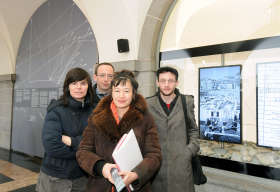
pixel 100 64
pixel 73 75
pixel 167 69
pixel 122 77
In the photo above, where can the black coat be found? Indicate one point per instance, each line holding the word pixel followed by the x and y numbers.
pixel 59 159
pixel 96 99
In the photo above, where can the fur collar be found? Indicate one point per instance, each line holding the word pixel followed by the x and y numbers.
pixel 103 119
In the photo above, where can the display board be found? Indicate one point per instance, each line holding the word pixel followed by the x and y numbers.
pixel 220 103
pixel 57 38
pixel 268 104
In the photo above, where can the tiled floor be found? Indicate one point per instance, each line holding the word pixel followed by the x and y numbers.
pixel 4 179
pixel 18 172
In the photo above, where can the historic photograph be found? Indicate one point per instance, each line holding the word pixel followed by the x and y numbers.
pixel 220 103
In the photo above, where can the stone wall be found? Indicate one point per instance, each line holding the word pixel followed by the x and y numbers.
pixel 6 87
pixel 247 152
pixel 144 74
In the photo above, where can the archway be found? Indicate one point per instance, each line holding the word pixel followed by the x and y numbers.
pixel 58 37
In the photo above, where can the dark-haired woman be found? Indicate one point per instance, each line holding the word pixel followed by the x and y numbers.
pixel 64 124
pixel 115 115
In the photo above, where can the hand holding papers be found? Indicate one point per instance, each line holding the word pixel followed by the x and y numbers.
pixel 127 154
pixel 119 184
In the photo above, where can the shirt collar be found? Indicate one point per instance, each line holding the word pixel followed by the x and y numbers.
pixel 100 95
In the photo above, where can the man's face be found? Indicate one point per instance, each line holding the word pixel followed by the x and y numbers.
pixel 103 78
pixel 167 83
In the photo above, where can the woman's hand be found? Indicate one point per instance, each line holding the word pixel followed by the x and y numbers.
pixel 66 140
pixel 106 171
pixel 128 177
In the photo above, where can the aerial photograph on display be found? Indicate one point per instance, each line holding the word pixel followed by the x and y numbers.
pixel 220 103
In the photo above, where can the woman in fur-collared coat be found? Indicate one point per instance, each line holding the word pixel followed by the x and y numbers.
pixel 115 115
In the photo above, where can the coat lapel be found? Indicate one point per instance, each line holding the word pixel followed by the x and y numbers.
pixel 158 108
pixel 177 108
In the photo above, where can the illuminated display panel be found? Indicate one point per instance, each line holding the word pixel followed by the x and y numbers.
pixel 220 103
pixel 268 104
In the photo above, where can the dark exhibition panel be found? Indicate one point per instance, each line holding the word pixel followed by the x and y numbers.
pixel 57 38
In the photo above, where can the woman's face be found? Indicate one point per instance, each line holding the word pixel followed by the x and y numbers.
pixel 78 89
pixel 122 95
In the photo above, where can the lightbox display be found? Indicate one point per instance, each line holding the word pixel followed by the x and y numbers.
pixel 268 104
pixel 220 103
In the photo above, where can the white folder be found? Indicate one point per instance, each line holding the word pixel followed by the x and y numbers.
pixel 127 154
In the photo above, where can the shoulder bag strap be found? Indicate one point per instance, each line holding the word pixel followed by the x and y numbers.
pixel 184 103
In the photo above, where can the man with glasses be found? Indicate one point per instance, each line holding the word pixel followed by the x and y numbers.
pixel 177 148
pixel 103 75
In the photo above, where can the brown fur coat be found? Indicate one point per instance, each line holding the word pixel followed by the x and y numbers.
pixel 102 134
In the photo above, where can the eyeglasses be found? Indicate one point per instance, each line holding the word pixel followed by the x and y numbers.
pixel 103 76
pixel 169 81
